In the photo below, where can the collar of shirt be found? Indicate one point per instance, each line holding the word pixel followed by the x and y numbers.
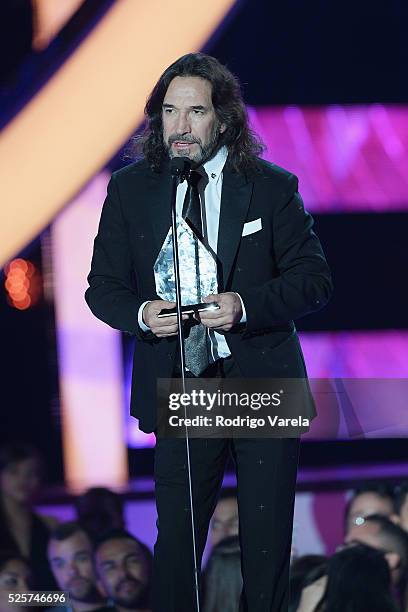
pixel 215 165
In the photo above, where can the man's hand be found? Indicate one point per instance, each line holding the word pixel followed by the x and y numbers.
pixel 228 315
pixel 163 327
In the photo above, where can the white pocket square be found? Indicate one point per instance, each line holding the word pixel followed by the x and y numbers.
pixel 252 227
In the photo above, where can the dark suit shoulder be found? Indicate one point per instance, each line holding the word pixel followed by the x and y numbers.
pixel 272 171
pixel 139 167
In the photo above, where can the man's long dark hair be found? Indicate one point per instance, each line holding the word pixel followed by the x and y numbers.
pixel 243 145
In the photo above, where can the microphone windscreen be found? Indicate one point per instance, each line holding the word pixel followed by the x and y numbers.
pixel 180 166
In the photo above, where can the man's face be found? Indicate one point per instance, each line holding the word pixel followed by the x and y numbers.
pixel 122 570
pixel 224 522
pixel 190 126
pixel 71 564
pixel 366 504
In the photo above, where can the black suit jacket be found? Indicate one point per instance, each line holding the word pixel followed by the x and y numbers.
pixel 280 272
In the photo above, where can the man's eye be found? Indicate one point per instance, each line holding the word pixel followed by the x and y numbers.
pixel 57 564
pixel 10 582
pixel 198 112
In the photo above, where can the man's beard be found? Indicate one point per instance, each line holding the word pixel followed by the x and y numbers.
pixel 206 151
pixel 87 594
pixel 138 598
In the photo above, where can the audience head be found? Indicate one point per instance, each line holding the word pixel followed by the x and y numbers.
pixel 358 580
pixel 366 501
pixel 100 510
pixel 379 532
pixel 70 559
pixel 15 577
pixel 224 522
pixel 222 578
pixel 124 569
pixel 21 471
pixel 401 506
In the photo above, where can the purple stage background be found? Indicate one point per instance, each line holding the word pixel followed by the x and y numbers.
pixel 347 158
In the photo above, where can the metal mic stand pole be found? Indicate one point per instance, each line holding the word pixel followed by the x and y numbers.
pixel 176 179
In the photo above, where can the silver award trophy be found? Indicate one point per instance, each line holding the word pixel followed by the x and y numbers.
pixel 198 276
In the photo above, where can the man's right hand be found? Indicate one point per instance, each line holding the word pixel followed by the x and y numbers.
pixel 163 327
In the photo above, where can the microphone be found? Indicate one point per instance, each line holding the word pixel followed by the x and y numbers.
pixel 180 166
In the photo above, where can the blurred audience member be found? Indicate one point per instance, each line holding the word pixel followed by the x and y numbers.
pixel 21 529
pixel 304 571
pixel 358 580
pixel 224 522
pixel 15 577
pixel 124 569
pixel 366 501
pixel 401 506
pixel 384 535
pixel 71 559
pixel 222 578
pixel 100 510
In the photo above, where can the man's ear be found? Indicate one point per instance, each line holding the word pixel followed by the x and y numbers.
pixel 223 127
pixel 393 559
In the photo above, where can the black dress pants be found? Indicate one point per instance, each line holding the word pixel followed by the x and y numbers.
pixel 266 478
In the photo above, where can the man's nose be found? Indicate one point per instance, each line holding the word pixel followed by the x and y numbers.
pixel 183 124
pixel 72 569
pixel 121 573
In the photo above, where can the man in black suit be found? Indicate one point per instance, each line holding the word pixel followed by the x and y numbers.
pixel 271 270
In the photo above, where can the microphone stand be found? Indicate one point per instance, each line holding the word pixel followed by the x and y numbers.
pixel 178 176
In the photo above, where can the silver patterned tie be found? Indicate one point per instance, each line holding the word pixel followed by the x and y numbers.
pixel 196 336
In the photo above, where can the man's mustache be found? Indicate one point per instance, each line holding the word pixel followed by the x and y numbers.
pixel 78 580
pixel 182 138
pixel 133 581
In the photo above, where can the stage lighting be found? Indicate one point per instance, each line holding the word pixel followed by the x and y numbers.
pixel 22 284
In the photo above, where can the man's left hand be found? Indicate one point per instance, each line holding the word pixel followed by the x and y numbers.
pixel 228 315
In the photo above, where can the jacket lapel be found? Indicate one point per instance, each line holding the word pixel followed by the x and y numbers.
pixel 235 199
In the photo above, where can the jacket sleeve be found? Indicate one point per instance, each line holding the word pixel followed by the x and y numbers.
pixel 112 295
pixel 304 282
